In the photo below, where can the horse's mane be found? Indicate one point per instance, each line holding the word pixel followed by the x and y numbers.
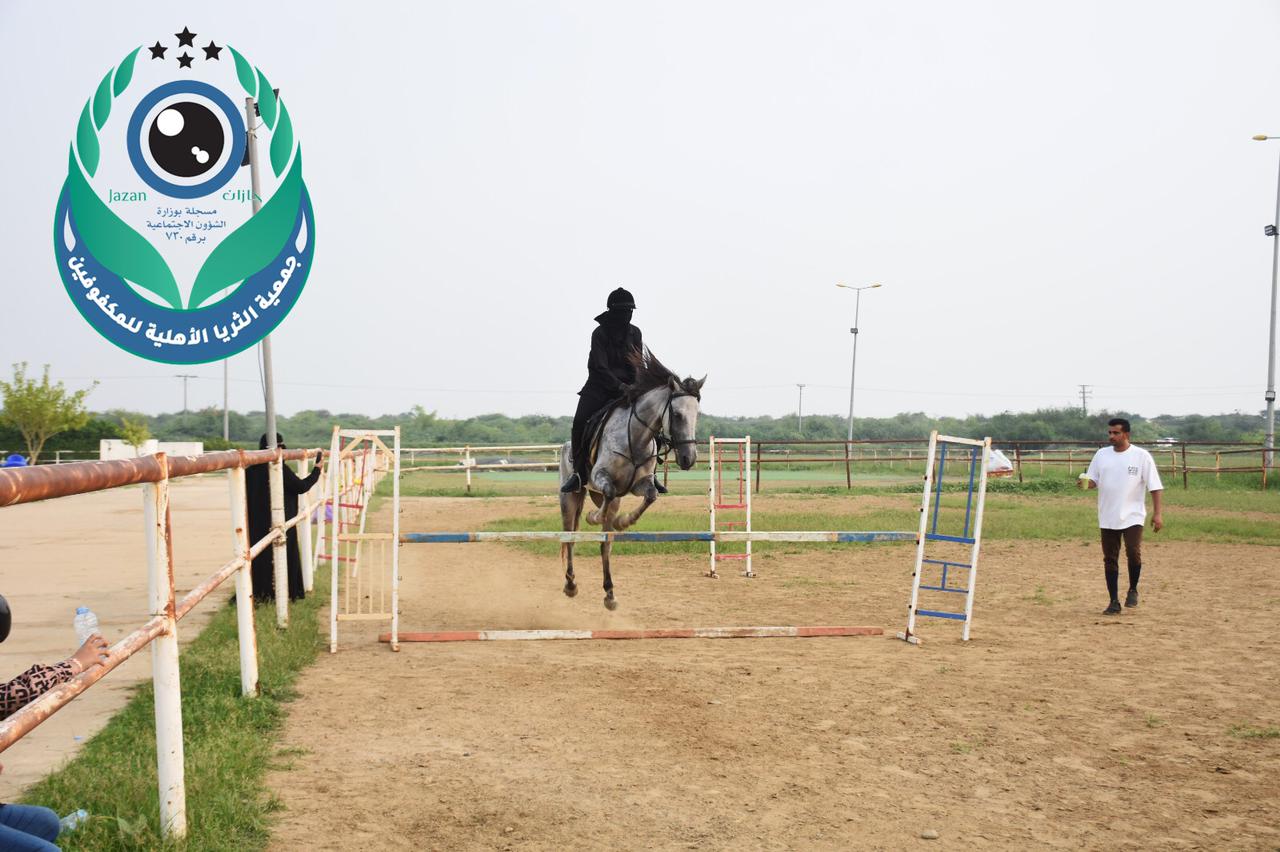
pixel 652 373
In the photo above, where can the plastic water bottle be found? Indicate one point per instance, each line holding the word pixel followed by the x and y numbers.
pixel 72 821
pixel 86 623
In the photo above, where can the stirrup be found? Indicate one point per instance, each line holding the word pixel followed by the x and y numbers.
pixel 572 485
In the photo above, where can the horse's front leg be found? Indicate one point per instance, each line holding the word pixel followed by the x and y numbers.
pixel 650 495
pixel 570 515
pixel 608 512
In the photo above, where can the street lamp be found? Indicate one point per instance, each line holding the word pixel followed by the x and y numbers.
pixel 800 411
pixel 857 305
pixel 1270 230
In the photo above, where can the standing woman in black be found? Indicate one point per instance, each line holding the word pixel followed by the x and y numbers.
pixel 608 369
pixel 258 496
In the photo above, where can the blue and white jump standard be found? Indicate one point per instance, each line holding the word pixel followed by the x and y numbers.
pixel 978 455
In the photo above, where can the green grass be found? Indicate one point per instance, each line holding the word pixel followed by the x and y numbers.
pixel 1253 732
pixel 229 745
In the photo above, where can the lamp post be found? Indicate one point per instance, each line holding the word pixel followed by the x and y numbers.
pixel 800 411
pixel 1268 459
pixel 857 306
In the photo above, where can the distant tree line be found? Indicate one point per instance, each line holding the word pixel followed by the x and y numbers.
pixel 425 428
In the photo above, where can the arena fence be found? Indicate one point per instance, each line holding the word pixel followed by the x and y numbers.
pixel 30 484
pixel 784 461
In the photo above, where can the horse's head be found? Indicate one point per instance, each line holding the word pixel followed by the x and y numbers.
pixel 685 396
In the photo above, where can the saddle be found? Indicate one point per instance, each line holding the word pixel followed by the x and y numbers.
pixel 595 428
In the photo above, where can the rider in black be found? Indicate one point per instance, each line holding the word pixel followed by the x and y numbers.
pixel 607 372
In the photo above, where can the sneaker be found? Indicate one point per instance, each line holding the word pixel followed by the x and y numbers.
pixel 573 485
pixel 1131 599
pixel 1113 609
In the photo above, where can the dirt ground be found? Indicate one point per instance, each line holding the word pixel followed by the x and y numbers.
pixel 90 550
pixel 1054 727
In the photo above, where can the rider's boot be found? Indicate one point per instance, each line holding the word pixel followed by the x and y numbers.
pixel 658 486
pixel 573 485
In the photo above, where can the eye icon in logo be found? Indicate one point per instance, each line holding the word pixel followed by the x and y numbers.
pixel 186 139
pixel 175 239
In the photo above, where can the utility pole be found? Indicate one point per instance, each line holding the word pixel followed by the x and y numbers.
pixel 185 377
pixel 800 410
pixel 275 476
pixel 1084 400
pixel 226 417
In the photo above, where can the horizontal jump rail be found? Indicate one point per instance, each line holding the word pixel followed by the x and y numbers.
pixel 655 537
pixel 654 633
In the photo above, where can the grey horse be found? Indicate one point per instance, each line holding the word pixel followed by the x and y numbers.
pixel 659 407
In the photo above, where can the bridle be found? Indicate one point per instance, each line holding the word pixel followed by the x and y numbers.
pixel 663 444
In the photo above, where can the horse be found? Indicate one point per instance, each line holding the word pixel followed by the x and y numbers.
pixel 659 409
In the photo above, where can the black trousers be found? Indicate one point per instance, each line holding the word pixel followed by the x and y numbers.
pixel 590 400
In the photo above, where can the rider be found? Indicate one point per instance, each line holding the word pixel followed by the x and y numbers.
pixel 608 370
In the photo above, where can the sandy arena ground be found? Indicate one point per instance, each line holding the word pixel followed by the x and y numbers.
pixel 1055 727
pixel 89 549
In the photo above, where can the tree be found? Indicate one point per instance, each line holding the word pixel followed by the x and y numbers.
pixel 135 432
pixel 41 409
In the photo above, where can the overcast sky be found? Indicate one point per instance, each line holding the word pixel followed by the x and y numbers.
pixel 1051 195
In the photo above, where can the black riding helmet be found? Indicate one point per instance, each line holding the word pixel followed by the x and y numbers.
pixel 620 300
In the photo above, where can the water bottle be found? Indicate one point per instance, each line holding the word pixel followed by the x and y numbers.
pixel 73 820
pixel 86 623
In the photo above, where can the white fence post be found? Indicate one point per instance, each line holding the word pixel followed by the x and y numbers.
pixel 336 464
pixel 304 528
pixel 395 546
pixel 164 657
pixel 279 551
pixel 245 628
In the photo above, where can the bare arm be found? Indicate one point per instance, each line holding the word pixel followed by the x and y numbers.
pixel 1157 519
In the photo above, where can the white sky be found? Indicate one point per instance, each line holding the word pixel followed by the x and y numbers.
pixel 1051 195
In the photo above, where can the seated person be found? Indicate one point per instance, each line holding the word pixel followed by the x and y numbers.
pixel 30 828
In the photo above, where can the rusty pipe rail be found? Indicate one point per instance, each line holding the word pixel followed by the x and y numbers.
pixel 24 720
pixel 228 570
pixel 31 484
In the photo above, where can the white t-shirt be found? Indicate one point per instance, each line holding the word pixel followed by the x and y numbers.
pixel 1123 482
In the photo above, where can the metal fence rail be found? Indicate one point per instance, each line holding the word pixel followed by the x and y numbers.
pixel 30 484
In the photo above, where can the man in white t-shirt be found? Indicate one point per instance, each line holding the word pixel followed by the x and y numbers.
pixel 1123 474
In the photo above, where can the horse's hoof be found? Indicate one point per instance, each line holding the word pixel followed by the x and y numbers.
pixel 570 590
pixel 610 604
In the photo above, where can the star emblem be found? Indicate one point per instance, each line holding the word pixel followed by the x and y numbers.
pixel 212 51
pixel 184 61
pixel 186 38
pixel 157 52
